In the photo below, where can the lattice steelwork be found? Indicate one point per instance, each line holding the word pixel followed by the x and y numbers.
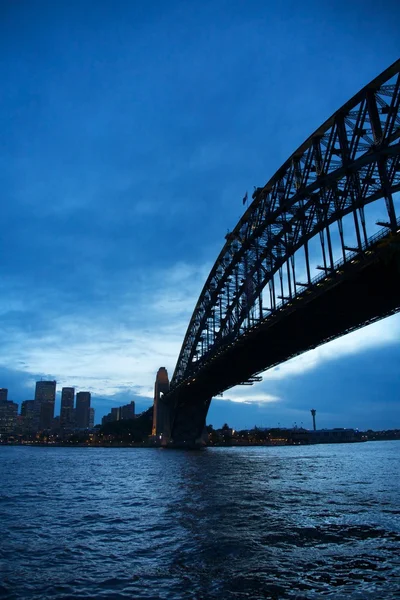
pixel 351 160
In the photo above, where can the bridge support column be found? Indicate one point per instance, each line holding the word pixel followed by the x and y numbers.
pixel 161 411
pixel 376 125
pixel 391 212
pixel 388 196
pixel 189 421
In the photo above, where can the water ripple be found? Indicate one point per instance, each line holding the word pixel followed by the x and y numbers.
pixel 270 523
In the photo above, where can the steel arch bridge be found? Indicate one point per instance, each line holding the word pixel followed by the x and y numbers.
pixel 258 307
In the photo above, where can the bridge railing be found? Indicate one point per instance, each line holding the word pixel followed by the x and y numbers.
pixel 326 274
pixel 371 241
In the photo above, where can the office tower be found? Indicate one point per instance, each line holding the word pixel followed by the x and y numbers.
pixel 82 409
pixel 45 397
pixel 8 417
pixel 29 422
pixel 160 416
pixel 67 407
pixel 128 411
pixel 91 418
pixel 3 395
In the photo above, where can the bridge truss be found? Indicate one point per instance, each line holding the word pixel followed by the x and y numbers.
pixel 352 160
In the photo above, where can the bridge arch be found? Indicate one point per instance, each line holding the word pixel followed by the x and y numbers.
pixel 352 160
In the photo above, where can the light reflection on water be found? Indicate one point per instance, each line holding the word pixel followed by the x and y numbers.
pixel 286 522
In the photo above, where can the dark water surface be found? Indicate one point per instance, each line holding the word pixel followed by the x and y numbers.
pixel 288 522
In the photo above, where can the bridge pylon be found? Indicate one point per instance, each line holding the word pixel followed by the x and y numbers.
pixel 188 419
pixel 161 414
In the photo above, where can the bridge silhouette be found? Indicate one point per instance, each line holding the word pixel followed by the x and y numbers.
pixel 260 304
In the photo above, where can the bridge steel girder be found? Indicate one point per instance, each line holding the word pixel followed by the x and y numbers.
pixel 358 293
pixel 353 159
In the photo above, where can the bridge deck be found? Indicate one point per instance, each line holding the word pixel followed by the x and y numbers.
pixel 361 291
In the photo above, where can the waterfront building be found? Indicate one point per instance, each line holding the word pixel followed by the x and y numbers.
pixel 115 413
pixel 160 417
pixel 82 409
pixel 325 436
pixel 120 413
pixel 67 408
pixel 45 397
pixel 128 411
pixel 8 418
pixel 3 395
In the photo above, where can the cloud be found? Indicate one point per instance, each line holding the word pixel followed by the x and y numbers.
pixel 116 347
pixel 236 395
pixel 105 350
pixel 384 333
pixel 378 334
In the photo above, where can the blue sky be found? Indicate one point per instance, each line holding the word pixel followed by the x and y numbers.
pixel 130 133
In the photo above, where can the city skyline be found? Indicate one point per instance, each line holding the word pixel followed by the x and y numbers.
pixel 40 414
pixel 121 180
pixel 35 419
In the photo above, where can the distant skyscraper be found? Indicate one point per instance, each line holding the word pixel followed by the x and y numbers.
pixel 161 386
pixel 8 417
pixel 91 418
pixel 45 397
pixel 67 407
pixel 27 408
pixel 82 409
pixel 29 422
pixel 3 395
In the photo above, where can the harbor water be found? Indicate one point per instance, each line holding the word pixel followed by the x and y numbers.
pixel 302 522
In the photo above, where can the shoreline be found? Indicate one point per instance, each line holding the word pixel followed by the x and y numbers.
pixel 145 445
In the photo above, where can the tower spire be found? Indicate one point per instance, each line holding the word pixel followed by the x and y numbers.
pixel 313 412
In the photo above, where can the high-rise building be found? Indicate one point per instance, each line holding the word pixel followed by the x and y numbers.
pixel 91 418
pixel 120 413
pixel 160 417
pixel 29 423
pixel 3 395
pixel 128 411
pixel 67 407
pixel 8 417
pixel 116 413
pixel 45 397
pixel 82 409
